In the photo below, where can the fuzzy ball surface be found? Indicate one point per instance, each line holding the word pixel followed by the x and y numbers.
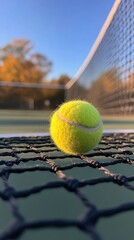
pixel 76 127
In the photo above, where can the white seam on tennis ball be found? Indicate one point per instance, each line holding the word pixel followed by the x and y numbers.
pixel 89 129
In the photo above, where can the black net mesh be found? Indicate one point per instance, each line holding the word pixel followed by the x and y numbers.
pixel 21 156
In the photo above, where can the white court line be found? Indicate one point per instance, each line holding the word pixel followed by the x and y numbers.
pixel 6 135
pixel 119 131
pixel 48 134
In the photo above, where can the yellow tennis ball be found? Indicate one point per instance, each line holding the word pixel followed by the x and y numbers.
pixel 76 127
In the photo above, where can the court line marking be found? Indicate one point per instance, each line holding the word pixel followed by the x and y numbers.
pixel 47 134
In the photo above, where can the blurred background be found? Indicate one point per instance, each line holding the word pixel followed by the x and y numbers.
pixel 53 51
pixel 42 49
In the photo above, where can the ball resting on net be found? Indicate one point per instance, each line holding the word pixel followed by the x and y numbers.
pixel 76 127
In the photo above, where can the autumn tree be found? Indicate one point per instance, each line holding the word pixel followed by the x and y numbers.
pixel 63 79
pixel 41 63
pixel 19 48
pixel 18 64
pixel 16 70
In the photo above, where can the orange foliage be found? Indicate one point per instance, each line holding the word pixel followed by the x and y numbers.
pixel 16 70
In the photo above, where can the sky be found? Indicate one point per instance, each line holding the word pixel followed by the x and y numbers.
pixel 63 30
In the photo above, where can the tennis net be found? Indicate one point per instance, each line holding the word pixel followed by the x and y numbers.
pixel 110 163
pixel 106 77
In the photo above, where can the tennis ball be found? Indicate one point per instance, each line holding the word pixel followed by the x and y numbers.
pixel 76 127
